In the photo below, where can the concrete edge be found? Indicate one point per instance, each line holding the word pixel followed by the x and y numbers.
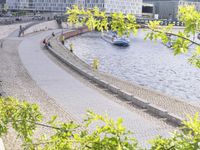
pixel 123 94
pixel 29 26
pixel 2 147
pixel 2 93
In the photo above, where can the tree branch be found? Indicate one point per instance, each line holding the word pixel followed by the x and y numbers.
pixel 169 33
pixel 44 125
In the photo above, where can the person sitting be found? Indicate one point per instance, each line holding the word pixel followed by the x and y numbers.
pixel 49 44
pixel 53 34
pixel 45 42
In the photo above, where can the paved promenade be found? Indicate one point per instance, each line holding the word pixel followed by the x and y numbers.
pixel 6 30
pixel 75 97
pixel 172 105
pixel 16 82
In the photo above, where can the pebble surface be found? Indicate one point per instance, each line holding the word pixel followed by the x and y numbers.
pixel 16 82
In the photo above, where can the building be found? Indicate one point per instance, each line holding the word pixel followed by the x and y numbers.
pixel 110 6
pixel 2 5
pixel 168 9
pixel 125 6
pixel 148 10
pixel 37 5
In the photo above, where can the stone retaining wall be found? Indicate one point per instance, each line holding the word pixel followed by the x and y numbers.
pixel 48 25
pixel 91 75
pixel 75 32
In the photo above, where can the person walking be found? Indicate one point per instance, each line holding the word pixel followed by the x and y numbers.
pixel 63 39
pixel 1 43
pixel 71 47
pixel 20 30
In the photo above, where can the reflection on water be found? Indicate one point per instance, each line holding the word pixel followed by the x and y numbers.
pixel 143 62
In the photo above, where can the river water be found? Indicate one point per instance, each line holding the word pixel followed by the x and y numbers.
pixel 145 63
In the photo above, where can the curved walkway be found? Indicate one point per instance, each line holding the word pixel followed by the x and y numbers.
pixel 176 109
pixel 16 82
pixel 75 97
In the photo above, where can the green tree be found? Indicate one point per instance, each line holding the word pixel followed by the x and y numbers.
pixel 185 39
pixel 97 132
pixel 126 24
pixel 187 139
pixel 96 19
pixel 107 134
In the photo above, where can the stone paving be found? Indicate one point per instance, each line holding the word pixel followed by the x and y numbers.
pixel 6 30
pixel 170 104
pixel 75 97
pixel 16 82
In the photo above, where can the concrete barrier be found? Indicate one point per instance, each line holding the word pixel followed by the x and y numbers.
pixel 157 110
pixel 140 102
pixel 113 89
pixel 127 96
pixel 175 119
pixel 22 32
pixel 123 94
pixel 41 26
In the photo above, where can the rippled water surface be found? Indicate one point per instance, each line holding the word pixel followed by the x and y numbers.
pixel 143 62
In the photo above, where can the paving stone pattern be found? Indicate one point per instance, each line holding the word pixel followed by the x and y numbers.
pixel 163 101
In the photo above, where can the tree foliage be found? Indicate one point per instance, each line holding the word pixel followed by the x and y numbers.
pixel 187 139
pixel 126 24
pixel 96 132
pixel 185 39
pixel 96 19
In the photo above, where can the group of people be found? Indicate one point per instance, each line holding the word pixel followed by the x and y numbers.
pixel 48 44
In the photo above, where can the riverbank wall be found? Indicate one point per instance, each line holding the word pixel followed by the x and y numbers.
pixel 155 103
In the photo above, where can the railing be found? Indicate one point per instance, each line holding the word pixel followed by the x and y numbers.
pixel 162 22
pixel 28 26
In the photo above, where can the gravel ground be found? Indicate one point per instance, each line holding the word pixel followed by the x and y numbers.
pixel 168 103
pixel 17 83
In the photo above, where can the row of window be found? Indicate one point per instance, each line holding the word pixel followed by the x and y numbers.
pixel 126 6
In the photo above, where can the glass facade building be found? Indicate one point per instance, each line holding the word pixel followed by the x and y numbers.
pixel 125 6
pixel 168 9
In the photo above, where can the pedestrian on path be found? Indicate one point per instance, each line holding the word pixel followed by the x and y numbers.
pixel 71 47
pixel 53 34
pixel 45 42
pixel 20 30
pixel 1 44
pixel 63 40
pixel 49 44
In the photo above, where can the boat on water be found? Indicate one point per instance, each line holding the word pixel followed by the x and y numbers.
pixel 121 42
pixel 112 38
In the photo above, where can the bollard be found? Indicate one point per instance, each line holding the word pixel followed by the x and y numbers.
pixel 62 38
pixel 71 47
pixel 95 64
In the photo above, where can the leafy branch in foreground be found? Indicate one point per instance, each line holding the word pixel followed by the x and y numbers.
pixel 96 19
pixel 184 38
pixel 126 24
pixel 97 132
pixel 187 139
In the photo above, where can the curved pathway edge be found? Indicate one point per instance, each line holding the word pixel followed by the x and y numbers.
pixel 155 109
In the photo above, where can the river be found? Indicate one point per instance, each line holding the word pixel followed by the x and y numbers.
pixel 146 63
